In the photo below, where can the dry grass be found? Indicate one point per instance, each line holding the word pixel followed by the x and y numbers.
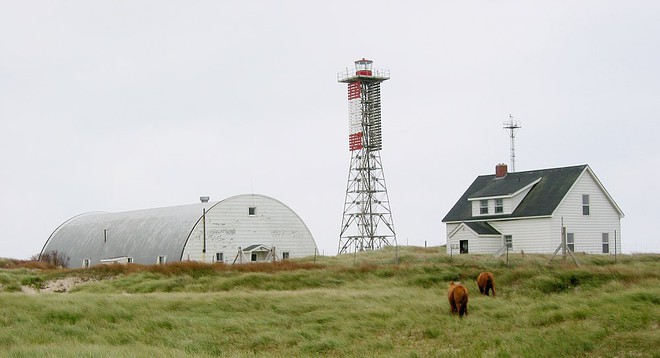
pixel 346 306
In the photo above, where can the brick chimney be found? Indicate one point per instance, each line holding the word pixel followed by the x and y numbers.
pixel 500 170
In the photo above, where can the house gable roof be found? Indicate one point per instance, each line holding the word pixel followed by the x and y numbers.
pixel 542 199
pixel 501 187
pixel 482 228
pixel 256 248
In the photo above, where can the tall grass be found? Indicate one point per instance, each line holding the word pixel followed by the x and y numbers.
pixel 385 303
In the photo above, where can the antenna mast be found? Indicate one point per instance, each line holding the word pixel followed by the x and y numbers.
pixel 511 126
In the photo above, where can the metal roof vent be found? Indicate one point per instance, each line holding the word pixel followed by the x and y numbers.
pixel 204 199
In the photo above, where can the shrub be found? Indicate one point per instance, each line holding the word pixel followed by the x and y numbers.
pixel 55 258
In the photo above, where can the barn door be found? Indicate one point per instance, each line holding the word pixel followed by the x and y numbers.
pixel 464 246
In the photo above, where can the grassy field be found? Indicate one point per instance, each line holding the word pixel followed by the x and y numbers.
pixel 366 305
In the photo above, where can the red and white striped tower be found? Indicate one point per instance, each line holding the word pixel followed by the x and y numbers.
pixel 367 221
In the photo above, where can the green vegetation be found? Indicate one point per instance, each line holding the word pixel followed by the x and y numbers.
pixel 352 305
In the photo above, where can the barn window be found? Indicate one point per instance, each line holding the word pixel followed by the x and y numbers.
pixel 253 257
pixel 508 241
pixel 285 255
pixel 87 263
pixel 129 260
pixel 484 207
pixel 585 204
pixel 252 211
pixel 499 206
pixel 219 257
pixel 606 243
pixel 161 260
pixel 570 241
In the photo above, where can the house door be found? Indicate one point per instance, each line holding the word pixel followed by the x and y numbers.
pixel 464 246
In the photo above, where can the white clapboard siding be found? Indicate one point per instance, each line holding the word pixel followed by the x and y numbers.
pixel 588 229
pixel 543 233
pixel 476 244
pixel 463 233
pixel 531 235
pixel 487 245
pixel 517 199
pixel 450 240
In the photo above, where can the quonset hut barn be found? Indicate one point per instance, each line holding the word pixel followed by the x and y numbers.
pixel 242 228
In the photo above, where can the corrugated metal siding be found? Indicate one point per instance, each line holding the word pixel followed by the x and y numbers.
pixel 141 234
pixel 228 227
pixel 146 234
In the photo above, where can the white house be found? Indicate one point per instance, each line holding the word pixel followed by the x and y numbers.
pixel 239 229
pixel 526 210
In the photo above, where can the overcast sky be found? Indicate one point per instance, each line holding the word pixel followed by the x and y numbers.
pixel 124 105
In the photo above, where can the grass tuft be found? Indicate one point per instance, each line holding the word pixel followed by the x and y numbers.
pixel 392 302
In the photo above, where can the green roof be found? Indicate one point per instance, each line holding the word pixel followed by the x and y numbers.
pixel 504 187
pixel 542 199
pixel 482 228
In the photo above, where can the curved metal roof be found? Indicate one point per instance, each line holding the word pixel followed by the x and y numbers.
pixel 141 234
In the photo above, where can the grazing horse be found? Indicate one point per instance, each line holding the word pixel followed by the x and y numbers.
pixel 486 282
pixel 458 299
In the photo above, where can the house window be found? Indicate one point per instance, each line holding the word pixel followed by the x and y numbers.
pixel 253 257
pixel 87 263
pixel 484 207
pixel 252 211
pixel 508 241
pixel 499 206
pixel 585 204
pixel 219 257
pixel 129 260
pixel 285 255
pixel 606 243
pixel 161 260
pixel 570 241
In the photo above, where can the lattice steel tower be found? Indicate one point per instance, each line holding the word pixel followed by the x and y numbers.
pixel 512 127
pixel 367 221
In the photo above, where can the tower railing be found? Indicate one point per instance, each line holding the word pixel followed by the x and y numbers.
pixel 349 75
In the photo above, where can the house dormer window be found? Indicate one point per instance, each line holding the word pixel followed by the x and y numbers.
pixel 499 206
pixel 483 209
pixel 585 204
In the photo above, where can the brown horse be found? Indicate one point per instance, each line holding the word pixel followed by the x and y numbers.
pixel 486 282
pixel 458 299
